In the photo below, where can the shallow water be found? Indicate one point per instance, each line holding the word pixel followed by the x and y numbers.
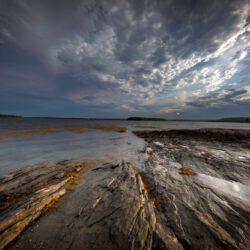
pixel 92 144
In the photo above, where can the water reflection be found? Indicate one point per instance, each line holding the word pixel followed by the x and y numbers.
pixel 92 144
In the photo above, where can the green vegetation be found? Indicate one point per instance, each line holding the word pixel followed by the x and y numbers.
pixel 145 119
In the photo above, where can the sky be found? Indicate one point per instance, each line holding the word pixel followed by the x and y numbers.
pixel 185 59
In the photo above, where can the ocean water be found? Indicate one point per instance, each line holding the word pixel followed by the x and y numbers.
pixel 16 152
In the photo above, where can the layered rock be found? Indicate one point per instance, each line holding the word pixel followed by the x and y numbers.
pixel 27 193
pixel 203 177
pixel 112 208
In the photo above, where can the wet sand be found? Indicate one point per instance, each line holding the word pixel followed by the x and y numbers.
pixel 192 192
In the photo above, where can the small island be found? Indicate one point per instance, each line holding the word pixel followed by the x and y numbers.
pixel 145 119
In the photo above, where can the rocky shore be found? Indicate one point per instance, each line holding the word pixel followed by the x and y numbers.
pixel 203 177
pixel 192 192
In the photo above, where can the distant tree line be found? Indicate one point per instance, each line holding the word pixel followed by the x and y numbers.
pixel 10 116
pixel 137 118
pixel 229 119
pixel 145 119
pixel 235 119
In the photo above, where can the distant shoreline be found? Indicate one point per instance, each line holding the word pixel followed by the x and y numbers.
pixel 10 116
pixel 229 119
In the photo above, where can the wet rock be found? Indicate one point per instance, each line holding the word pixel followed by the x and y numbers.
pixel 159 144
pixel 206 210
pixel 23 199
pixel 111 209
pixel 18 219
pixel 61 175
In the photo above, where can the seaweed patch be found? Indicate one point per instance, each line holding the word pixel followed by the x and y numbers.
pixel 187 171
pixel 27 134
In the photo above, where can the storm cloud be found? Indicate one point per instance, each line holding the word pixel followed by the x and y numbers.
pixel 118 58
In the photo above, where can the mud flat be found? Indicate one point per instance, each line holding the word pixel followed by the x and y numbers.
pixel 192 193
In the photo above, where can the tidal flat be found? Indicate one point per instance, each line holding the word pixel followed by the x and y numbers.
pixel 186 189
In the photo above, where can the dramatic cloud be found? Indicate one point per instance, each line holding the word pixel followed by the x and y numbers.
pixel 226 97
pixel 118 58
